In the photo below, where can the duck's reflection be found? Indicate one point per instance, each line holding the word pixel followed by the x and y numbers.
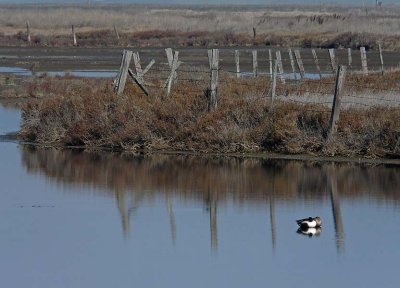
pixel 211 180
pixel 310 232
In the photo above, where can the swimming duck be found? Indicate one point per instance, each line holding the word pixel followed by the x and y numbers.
pixel 309 222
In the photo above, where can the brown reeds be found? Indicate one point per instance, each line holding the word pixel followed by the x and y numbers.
pixel 86 112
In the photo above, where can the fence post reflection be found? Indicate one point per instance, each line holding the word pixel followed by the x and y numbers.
pixel 171 216
pixel 123 210
pixel 337 215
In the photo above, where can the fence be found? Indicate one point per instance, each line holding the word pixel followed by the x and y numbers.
pixel 326 88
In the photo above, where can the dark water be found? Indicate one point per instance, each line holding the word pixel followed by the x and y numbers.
pixel 70 218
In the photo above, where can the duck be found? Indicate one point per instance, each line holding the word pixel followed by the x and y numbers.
pixel 309 222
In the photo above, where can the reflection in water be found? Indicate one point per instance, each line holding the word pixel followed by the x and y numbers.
pixel 310 232
pixel 211 180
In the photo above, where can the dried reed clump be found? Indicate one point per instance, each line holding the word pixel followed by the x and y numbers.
pixel 87 112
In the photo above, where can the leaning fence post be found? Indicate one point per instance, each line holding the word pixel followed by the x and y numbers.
pixel 340 73
pixel 212 97
pixel 280 66
pixel 333 59
pixel 273 88
pixel 316 62
pixel 299 63
pixel 74 35
pixel 28 32
pixel 255 64
pixel 120 81
pixel 292 63
pixel 364 64
pixel 237 61
pixel 381 57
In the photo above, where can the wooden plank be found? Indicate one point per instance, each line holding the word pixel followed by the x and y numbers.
pixel 333 59
pixel 148 67
pixel 381 58
pixel 314 53
pixel 280 65
pixel 292 63
pixel 237 60
pixel 213 100
pixel 364 64
pixel 139 82
pixel 126 60
pixel 255 63
pixel 299 62
pixel 28 32
pixel 74 36
pixel 210 55
pixel 340 77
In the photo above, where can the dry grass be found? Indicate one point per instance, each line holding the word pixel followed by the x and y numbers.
pixel 73 111
pixel 275 25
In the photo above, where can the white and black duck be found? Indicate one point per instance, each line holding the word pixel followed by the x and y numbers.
pixel 309 222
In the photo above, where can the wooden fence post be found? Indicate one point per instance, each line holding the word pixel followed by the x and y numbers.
pixel 350 59
pixel 255 63
pixel 138 78
pixel 292 63
pixel 74 36
pixel 270 62
pixel 237 60
pixel 316 63
pixel 381 58
pixel 299 63
pixel 173 74
pixel 28 32
pixel 116 33
pixel 364 64
pixel 333 59
pixel 170 58
pixel 340 77
pixel 273 88
pixel 212 97
pixel 119 82
pixel 280 66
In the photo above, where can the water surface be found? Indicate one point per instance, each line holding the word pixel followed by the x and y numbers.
pixel 72 218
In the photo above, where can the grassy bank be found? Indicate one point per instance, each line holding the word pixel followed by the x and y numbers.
pixel 86 112
pixel 141 25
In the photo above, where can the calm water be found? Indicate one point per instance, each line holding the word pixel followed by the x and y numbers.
pixel 71 218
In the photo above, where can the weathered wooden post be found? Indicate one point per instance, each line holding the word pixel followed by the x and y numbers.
pixel 381 58
pixel 364 64
pixel 28 32
pixel 299 63
pixel 270 62
pixel 172 75
pixel 316 63
pixel 340 77
pixel 119 82
pixel 254 35
pixel 170 59
pixel 237 63
pixel 116 33
pixel 333 59
pixel 138 78
pixel 74 36
pixel 292 63
pixel 273 88
pixel 350 58
pixel 212 97
pixel 280 66
pixel 255 63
